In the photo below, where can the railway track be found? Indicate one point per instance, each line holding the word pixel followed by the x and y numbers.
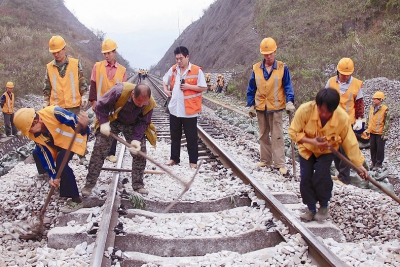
pixel 121 237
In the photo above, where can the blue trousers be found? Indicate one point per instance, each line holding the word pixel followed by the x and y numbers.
pixel 190 128
pixel 316 183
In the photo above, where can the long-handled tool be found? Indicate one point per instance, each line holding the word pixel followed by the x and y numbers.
pixel 292 147
pixel 140 153
pixel 129 170
pixel 356 169
pixel 39 227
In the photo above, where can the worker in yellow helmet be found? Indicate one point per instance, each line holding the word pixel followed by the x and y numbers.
pixel 352 101
pixel 7 104
pixel 208 82
pixel 106 74
pixel 220 83
pixel 64 84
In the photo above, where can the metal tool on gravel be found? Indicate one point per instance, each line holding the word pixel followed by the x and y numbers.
pixel 140 153
pixel 356 169
pixel 292 147
pixel 129 170
pixel 39 227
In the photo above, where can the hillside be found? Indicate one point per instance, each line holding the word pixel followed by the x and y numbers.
pixel 25 30
pixel 312 36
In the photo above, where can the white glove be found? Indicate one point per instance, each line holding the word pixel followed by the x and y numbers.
pixel 358 125
pixel 290 107
pixel 105 128
pixel 135 147
pixel 84 101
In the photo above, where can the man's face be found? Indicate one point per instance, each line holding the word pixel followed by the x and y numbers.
pixel 343 78
pixel 323 112
pixel 182 61
pixel 376 102
pixel 141 100
pixel 36 127
pixel 60 55
pixel 110 56
pixel 9 89
pixel 270 58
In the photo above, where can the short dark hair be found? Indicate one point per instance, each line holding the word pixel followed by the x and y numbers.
pixel 141 89
pixel 181 50
pixel 330 97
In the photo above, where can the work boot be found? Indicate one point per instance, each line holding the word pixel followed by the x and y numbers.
pixel 283 170
pixel 112 158
pixel 307 216
pixel 193 165
pixel 264 164
pixel 322 214
pixel 71 206
pixel 142 191
pixel 87 190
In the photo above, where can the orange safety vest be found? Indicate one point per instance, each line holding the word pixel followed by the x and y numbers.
pixel 65 90
pixel 61 133
pixel 8 107
pixel 102 82
pixel 348 99
pixel 270 93
pixel 192 99
pixel 377 121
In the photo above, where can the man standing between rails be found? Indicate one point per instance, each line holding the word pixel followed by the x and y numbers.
pixel 64 84
pixel 352 101
pixel 269 92
pixel 105 74
pixel 186 83
pixel 322 118
pixel 7 103
pixel 52 129
pixel 131 107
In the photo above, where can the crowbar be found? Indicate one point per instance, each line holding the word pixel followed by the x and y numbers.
pixel 292 147
pixel 129 170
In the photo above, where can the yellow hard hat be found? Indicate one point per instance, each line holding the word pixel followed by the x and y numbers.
pixel 10 85
pixel 267 46
pixel 56 44
pixel 108 45
pixel 208 74
pixel 379 94
pixel 219 75
pixel 23 119
pixel 345 66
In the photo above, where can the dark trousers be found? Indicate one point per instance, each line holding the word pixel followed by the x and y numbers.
pixel 342 167
pixel 113 148
pixel 190 128
pixel 9 124
pixel 377 147
pixel 316 183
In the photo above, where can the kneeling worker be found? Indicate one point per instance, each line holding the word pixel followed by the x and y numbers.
pixel 52 129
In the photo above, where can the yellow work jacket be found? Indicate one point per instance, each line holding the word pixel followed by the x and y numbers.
pixel 192 99
pixel 65 90
pixel 377 121
pixel 348 99
pixel 208 80
pixel 337 130
pixel 8 107
pixel 61 133
pixel 270 93
pixel 103 84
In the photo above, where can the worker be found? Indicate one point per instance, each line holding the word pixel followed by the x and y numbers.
pixel 7 104
pixel 269 92
pixel 220 83
pixel 52 129
pixel 64 84
pixel 322 118
pixel 351 101
pixel 184 82
pixel 131 107
pixel 105 74
pixel 208 82
pixel 377 129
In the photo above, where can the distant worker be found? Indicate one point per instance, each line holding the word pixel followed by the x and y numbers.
pixel 322 118
pixel 7 103
pixel 269 92
pixel 352 101
pixel 105 74
pixel 139 76
pixel 184 83
pixel 208 82
pixel 52 129
pixel 64 84
pixel 131 107
pixel 220 83
pixel 144 74
pixel 377 129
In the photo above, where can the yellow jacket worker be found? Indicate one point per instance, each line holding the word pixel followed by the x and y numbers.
pixel 7 103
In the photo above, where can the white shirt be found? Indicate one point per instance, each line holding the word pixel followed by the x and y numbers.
pixel 176 104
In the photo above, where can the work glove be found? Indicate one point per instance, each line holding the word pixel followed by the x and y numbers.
pixel 384 137
pixel 252 112
pixel 105 128
pixel 84 101
pixel 135 147
pixel 358 125
pixel 290 107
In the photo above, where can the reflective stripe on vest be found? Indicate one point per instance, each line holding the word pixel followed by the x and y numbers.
pixel 377 121
pixel 102 82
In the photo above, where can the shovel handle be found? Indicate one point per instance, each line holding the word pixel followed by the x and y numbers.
pixel 292 146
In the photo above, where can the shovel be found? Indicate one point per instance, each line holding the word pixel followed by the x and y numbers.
pixel 292 147
pixel 39 227
pixel 357 170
